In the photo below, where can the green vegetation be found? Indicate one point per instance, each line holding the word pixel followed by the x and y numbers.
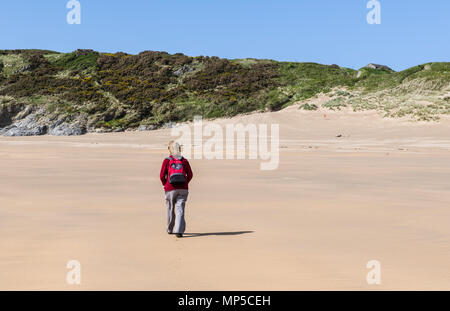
pixel 437 73
pixel 79 60
pixel 336 103
pixel 11 64
pixel 121 91
pixel 305 80
pixel 309 107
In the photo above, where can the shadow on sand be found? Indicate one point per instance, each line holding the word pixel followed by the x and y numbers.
pixel 192 235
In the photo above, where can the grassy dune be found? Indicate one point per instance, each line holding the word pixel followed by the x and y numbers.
pixel 119 91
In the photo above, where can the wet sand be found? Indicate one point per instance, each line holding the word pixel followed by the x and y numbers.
pixel 379 191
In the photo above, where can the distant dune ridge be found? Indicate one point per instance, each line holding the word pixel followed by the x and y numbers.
pixel 46 92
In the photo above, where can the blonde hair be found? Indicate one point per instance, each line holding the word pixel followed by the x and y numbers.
pixel 174 148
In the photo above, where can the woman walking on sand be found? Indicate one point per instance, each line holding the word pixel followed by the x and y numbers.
pixel 175 176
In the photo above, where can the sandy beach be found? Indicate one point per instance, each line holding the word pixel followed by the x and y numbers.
pixel 350 188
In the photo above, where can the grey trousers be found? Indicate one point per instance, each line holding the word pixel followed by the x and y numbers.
pixel 175 202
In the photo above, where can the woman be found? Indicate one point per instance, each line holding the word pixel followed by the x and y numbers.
pixel 175 176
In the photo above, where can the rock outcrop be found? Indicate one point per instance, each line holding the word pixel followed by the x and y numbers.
pixel 35 122
pixel 29 126
pixel 379 67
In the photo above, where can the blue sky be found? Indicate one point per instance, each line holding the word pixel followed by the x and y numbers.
pixel 324 31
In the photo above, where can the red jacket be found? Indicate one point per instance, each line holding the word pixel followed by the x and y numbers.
pixel 164 172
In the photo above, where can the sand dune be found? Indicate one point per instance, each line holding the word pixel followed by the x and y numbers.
pixel 381 190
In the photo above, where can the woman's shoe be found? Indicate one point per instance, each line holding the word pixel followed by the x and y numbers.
pixel 179 235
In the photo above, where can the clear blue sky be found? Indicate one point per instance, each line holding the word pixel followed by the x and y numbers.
pixel 325 31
